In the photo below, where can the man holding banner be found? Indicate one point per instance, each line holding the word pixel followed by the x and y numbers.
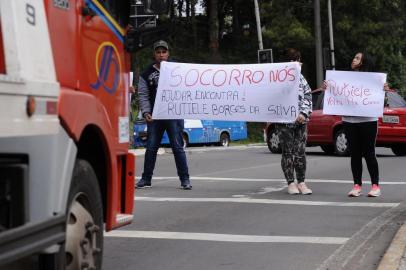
pixel 147 90
pixel 359 98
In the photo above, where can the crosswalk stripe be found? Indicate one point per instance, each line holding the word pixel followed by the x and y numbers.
pixel 227 237
pixel 265 201
pixel 270 180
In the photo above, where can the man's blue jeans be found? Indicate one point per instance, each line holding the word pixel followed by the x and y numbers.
pixel 174 129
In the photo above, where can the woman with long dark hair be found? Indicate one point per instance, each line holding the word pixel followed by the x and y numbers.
pixel 361 133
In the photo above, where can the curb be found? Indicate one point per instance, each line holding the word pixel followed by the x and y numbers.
pixel 141 152
pixel 395 253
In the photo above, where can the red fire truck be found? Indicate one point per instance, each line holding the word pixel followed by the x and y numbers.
pixel 65 170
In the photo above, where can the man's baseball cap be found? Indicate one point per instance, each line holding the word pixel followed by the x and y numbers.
pixel 161 43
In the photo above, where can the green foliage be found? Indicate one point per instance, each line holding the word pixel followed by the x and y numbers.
pixel 375 26
pixel 285 26
pixel 255 131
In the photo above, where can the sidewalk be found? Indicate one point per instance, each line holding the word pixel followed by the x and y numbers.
pixel 395 256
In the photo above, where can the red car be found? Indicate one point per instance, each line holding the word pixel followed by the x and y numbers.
pixel 327 131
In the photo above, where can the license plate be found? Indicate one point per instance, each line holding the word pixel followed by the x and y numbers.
pixel 393 119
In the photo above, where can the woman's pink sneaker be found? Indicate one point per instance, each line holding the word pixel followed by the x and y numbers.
pixel 355 191
pixel 375 191
pixel 304 189
pixel 292 189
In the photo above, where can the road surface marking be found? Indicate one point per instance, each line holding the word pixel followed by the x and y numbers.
pixel 227 237
pixel 163 150
pixel 198 178
pixel 264 201
pixel 267 165
pixel 239 196
pixel 242 169
pixel 266 190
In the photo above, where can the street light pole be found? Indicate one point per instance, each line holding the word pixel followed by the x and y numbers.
pixel 330 27
pixel 317 34
pixel 261 46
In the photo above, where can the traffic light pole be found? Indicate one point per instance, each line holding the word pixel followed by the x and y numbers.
pixel 259 30
pixel 330 27
pixel 317 35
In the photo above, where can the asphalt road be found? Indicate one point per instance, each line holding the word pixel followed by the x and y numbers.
pixel 239 216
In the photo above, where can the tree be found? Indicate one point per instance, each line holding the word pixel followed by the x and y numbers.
pixel 214 31
pixel 377 27
pixel 193 21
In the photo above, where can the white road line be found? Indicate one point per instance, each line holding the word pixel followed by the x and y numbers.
pixel 242 169
pixel 199 178
pixel 162 150
pixel 221 148
pixel 227 237
pixel 265 201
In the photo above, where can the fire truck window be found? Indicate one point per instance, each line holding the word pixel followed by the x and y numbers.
pixel 120 10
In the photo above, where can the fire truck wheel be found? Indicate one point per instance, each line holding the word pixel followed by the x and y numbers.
pixel 84 225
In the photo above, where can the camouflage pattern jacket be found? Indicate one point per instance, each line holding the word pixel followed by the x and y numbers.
pixel 305 98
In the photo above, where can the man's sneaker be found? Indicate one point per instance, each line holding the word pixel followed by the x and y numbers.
pixel 355 191
pixel 304 189
pixel 143 184
pixel 186 185
pixel 375 191
pixel 292 189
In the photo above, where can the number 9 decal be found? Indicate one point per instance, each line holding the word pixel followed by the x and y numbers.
pixel 30 14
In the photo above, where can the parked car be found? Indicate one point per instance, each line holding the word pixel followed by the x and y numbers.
pixel 199 132
pixel 327 131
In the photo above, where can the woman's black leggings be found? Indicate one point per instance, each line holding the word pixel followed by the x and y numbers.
pixel 361 139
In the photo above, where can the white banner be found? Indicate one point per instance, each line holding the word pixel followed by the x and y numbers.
pixel 256 92
pixel 352 93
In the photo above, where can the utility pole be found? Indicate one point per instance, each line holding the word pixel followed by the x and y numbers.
pixel 259 30
pixel 317 35
pixel 330 28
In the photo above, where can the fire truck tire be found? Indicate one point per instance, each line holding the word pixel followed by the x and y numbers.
pixel 84 225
